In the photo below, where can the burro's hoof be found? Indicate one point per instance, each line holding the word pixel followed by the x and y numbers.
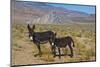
pixel 71 56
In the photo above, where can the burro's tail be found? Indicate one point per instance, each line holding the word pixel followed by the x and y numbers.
pixel 73 42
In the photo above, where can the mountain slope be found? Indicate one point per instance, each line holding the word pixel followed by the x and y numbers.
pixel 36 12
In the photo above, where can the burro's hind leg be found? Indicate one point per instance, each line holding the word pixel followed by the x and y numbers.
pixel 71 50
pixel 51 44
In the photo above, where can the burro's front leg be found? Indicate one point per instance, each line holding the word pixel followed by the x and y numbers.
pixel 54 50
pixel 59 53
pixel 39 48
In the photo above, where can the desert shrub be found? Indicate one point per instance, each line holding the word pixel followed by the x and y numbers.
pixel 17 45
pixel 89 53
pixel 77 34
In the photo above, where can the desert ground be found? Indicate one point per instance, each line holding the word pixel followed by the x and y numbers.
pixel 23 50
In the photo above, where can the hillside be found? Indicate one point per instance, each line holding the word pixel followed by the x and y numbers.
pixel 43 13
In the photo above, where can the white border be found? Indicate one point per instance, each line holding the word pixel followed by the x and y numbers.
pixel 4 33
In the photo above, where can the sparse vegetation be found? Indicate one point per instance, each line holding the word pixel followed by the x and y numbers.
pixel 23 50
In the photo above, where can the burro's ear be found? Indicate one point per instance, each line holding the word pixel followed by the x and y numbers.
pixel 33 27
pixel 28 26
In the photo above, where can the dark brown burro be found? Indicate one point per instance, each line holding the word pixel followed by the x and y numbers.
pixel 63 42
pixel 40 37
